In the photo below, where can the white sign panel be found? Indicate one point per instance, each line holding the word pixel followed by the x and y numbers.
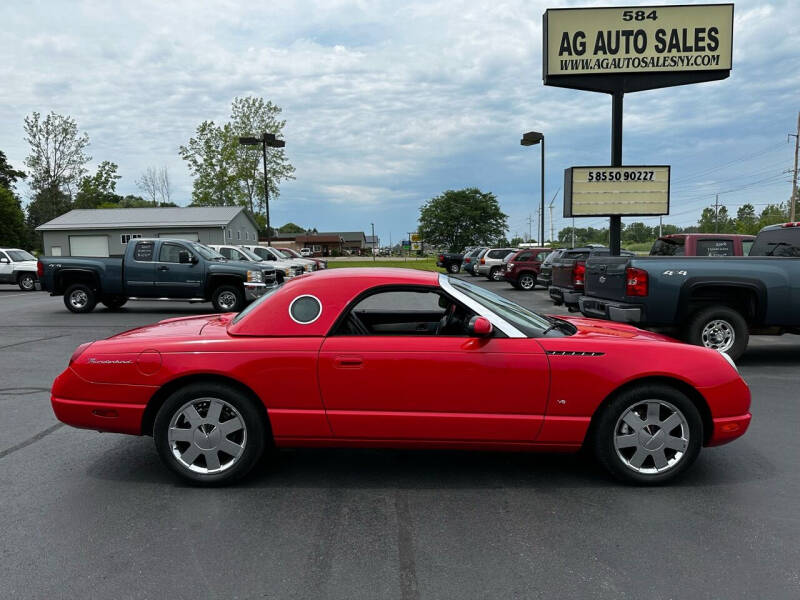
pixel 605 191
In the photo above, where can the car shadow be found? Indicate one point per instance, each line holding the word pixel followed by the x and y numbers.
pixel 785 351
pixel 135 461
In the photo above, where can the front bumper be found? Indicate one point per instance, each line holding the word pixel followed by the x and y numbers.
pixel 620 312
pixel 253 291
pixel 561 295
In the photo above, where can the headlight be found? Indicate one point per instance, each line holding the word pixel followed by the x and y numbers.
pixel 510 265
pixel 255 277
pixel 730 361
pixel 286 272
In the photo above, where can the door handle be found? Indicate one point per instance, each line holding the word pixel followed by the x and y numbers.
pixel 163 268
pixel 348 362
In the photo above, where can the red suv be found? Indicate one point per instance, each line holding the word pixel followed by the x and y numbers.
pixel 523 268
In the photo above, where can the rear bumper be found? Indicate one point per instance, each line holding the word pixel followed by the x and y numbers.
pixel 562 295
pixel 621 312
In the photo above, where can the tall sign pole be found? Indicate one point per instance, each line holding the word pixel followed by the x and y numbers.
pixel 795 199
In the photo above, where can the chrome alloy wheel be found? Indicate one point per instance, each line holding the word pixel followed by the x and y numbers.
pixel 79 299
pixel 718 335
pixel 651 437
pixel 496 275
pixel 207 435
pixel 527 282
pixel 27 282
pixel 227 300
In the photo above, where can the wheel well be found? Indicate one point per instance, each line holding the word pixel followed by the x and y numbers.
pixel 21 273
pixel 215 282
pixel 741 299
pixel 164 392
pixel 681 386
pixel 72 277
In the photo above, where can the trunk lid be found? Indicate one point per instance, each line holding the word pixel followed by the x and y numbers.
pixel 606 278
pixel 180 327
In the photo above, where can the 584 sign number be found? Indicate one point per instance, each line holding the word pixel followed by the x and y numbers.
pixel 639 15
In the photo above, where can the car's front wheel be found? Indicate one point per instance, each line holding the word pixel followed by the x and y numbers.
pixel 648 435
pixel 80 298
pixel 527 281
pixel 209 433
pixel 227 298
pixel 114 302
pixel 27 282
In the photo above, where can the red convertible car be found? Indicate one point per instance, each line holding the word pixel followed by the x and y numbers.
pixel 401 358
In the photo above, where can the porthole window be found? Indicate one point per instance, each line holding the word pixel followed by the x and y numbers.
pixel 305 309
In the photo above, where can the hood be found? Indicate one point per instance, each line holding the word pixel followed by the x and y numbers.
pixel 599 329
pixel 178 327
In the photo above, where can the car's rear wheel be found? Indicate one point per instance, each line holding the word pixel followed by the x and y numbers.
pixel 495 274
pixel 527 281
pixel 454 268
pixel 648 435
pixel 114 302
pixel 80 298
pixel 720 328
pixel 227 298
pixel 27 282
pixel 209 433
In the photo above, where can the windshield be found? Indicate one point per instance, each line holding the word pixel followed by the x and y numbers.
pixel 20 255
pixel 206 252
pixel 291 253
pixel 528 322
pixel 250 254
pixel 285 254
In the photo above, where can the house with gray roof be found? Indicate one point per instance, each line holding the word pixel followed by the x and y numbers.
pixel 106 231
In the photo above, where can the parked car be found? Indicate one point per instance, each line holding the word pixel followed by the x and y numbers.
pixel 306 252
pixel 284 269
pixel 471 260
pixel 711 302
pixel 155 269
pixel 324 360
pixel 317 263
pixel 702 244
pixel 271 253
pixel 490 265
pixel 545 277
pixel 522 268
pixel 568 273
pixel 450 261
pixel 19 267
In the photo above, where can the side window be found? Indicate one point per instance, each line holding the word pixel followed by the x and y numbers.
pixel 236 255
pixel 238 235
pixel 4 255
pixel 541 256
pixel 714 247
pixel 170 253
pixel 230 234
pixel 143 252
pixel 226 252
pixel 746 246
pixel 525 256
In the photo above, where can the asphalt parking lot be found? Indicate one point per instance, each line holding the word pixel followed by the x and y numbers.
pixel 90 515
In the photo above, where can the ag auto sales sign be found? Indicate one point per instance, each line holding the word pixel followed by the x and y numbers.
pixel 639 39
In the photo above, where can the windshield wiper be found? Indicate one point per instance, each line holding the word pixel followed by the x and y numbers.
pixel 554 324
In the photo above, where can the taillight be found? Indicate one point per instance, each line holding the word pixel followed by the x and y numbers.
pixel 78 351
pixel 483 261
pixel 441 258
pixel 466 260
pixel 578 273
pixel 39 268
pixel 636 282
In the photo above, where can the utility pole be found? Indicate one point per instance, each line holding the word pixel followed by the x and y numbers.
pixel 551 221
pixel 794 200
pixel 716 214
pixel 373 242
pixel 530 221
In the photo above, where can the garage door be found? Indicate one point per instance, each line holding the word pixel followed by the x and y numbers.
pixel 88 245
pixel 191 236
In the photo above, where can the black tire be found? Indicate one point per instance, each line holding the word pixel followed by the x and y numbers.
pixel 473 273
pixel 701 330
pixel 495 274
pixel 251 437
pixel 26 282
pixel 454 268
pixel 609 425
pixel 228 298
pixel 114 302
pixel 80 298
pixel 527 281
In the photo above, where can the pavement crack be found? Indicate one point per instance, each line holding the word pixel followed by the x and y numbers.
pixel 405 548
pixel 30 440
pixel 44 339
pixel 22 391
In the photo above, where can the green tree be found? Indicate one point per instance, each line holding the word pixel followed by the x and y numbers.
pixel 746 220
pixel 772 214
pixel 637 232
pixel 12 220
pixel 100 188
pixel 516 241
pixel 8 174
pixel 57 159
pixel 716 222
pixel 227 173
pixel 460 218
pixel 291 228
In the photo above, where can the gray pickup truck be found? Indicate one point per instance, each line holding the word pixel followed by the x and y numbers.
pixel 155 269
pixel 716 302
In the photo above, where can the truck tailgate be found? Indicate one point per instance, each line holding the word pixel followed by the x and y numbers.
pixel 561 274
pixel 605 277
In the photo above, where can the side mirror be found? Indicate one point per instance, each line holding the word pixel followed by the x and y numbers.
pixel 480 327
pixel 184 257
pixel 5 261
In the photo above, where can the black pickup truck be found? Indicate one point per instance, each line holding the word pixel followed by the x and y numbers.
pixel 716 302
pixel 450 261
pixel 155 269
pixel 567 272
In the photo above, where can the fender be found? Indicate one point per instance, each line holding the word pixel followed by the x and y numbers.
pixel 62 274
pixel 744 283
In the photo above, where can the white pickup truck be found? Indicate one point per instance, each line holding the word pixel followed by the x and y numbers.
pixel 18 266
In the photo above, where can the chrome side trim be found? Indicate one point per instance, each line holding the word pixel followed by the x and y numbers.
pixel 480 309
pixel 572 353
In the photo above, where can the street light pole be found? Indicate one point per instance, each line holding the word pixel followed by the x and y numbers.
pixel 373 241
pixel 266 139
pixel 266 190
pixel 531 139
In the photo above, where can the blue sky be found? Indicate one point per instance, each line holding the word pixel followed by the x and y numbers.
pixel 390 103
